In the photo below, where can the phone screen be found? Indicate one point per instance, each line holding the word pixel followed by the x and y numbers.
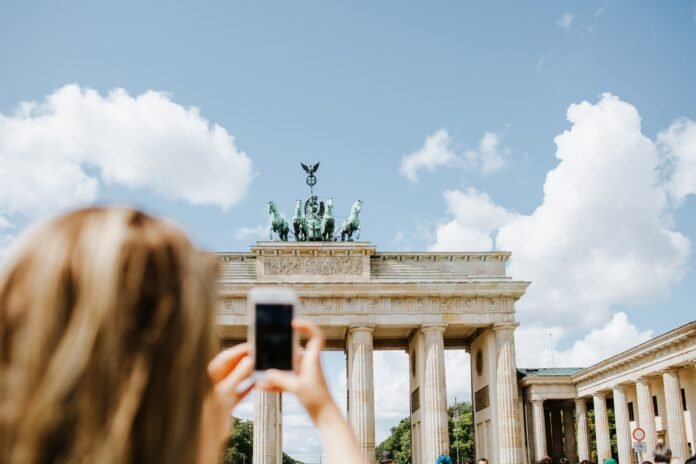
pixel 273 337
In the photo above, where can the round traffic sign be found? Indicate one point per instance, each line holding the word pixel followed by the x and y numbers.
pixel 638 434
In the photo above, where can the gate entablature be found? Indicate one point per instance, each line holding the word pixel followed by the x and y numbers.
pixel 341 284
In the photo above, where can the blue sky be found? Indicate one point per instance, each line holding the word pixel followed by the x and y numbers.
pixel 360 87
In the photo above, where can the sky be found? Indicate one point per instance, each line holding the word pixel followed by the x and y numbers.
pixel 563 132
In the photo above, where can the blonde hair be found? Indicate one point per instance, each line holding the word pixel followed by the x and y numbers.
pixel 106 329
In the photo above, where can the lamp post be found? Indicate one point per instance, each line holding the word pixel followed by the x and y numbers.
pixel 455 417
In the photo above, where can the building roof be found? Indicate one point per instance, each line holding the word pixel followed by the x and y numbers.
pixel 549 371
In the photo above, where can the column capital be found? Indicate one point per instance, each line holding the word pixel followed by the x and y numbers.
pixel 361 328
pixel 505 326
pixel 433 327
pixel 538 401
pixel 670 370
pixel 581 400
pixel 619 388
pixel 600 394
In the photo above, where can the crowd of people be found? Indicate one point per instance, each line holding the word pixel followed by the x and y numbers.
pixel 661 454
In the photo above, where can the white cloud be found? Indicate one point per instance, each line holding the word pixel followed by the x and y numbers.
pixel 392 396
pixel 533 345
pixel 57 153
pixel 541 62
pixel 437 152
pixel 565 21
pixel 617 335
pixel 604 234
pixel 489 157
pixel 474 218
pixel 601 10
pixel 678 145
pixel 257 232
pixel 458 376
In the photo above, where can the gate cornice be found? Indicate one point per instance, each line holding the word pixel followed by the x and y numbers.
pixel 470 288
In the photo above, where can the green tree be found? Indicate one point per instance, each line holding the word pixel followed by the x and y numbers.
pixel 460 424
pixel 461 434
pixel 398 444
pixel 240 444
pixel 288 460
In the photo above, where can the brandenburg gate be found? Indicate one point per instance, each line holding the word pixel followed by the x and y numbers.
pixel 423 303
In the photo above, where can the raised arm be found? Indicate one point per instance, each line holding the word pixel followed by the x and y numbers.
pixel 309 385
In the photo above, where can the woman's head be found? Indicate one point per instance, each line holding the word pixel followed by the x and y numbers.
pixel 106 329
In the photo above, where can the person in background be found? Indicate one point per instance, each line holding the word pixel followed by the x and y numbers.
pixel 482 461
pixel 610 461
pixel 662 454
pixel 108 352
pixel 585 461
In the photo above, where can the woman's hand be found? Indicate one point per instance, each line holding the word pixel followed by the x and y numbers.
pixel 309 385
pixel 308 382
pixel 228 370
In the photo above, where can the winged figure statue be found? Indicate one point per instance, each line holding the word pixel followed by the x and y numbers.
pixel 311 169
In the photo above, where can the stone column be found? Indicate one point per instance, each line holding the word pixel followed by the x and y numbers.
pixel 268 437
pixel 434 435
pixel 569 434
pixel 601 426
pixel 623 427
pixel 582 429
pixel 361 392
pixel 509 441
pixel 646 416
pixel 539 422
pixel 676 431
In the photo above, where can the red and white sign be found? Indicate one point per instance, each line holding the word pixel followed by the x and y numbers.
pixel 638 434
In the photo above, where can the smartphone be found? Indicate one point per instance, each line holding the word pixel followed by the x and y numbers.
pixel 271 338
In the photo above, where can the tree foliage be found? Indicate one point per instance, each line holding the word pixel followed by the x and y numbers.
pixel 461 431
pixel 240 444
pixel 398 444
pixel 461 436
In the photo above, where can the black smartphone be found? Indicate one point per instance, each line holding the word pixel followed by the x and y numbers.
pixel 270 330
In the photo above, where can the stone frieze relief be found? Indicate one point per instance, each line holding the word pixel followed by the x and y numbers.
pixel 313 265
